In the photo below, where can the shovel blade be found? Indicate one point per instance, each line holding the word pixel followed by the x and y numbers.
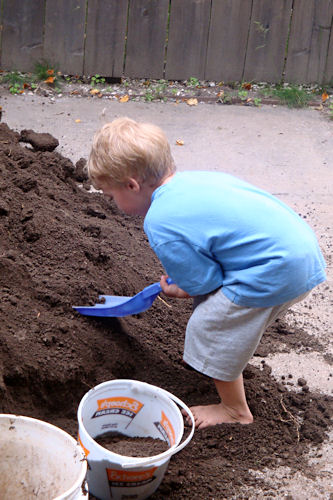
pixel 116 307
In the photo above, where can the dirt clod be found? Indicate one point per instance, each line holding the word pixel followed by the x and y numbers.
pixel 39 141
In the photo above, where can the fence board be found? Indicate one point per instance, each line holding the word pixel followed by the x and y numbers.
pixel 267 40
pixel 188 35
pixel 227 42
pixel 146 38
pixel 105 37
pixel 64 34
pixel 309 41
pixel 22 36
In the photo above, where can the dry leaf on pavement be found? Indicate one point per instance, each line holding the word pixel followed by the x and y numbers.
pixel 192 101
pixel 324 96
pixel 50 79
pixel 125 98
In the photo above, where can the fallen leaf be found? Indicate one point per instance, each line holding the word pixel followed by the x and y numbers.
pixel 192 101
pixel 94 91
pixel 220 94
pixel 319 108
pixel 124 98
pixel 26 86
pixel 50 72
pixel 180 142
pixel 324 96
pixel 50 79
pixel 78 120
pixel 247 86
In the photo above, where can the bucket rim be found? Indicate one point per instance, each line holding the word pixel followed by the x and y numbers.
pixel 12 418
pixel 140 461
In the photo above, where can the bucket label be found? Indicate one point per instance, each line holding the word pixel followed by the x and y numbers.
pixel 166 429
pixel 128 407
pixel 86 451
pixel 130 479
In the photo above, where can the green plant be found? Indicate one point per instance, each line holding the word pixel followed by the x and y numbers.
pixel 257 101
pixel 13 77
pixel 243 94
pixel 159 90
pixel 192 82
pixel 260 28
pixel 149 96
pixel 267 91
pixel 97 80
pixel 45 72
pixel 224 99
pixel 16 88
pixel 293 96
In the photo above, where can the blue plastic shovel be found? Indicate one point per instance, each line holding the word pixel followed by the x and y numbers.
pixel 115 306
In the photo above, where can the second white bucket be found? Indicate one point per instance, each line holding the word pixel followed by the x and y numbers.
pixel 39 460
pixel 136 409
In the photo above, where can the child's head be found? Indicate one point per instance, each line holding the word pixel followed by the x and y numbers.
pixel 126 149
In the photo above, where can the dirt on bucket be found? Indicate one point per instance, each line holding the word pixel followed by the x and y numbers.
pixel 63 246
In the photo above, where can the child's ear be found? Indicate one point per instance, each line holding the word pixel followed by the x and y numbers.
pixel 132 184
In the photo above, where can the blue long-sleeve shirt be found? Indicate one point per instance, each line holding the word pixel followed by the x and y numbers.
pixel 211 230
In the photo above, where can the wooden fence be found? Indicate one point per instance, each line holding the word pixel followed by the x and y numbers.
pixel 222 40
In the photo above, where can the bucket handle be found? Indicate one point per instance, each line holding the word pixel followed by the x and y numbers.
pixel 173 450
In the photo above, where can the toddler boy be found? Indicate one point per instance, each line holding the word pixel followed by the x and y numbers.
pixel 243 255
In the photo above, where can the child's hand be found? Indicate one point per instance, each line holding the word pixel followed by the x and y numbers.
pixel 172 290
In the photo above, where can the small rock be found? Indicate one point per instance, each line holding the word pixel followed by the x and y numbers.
pixel 301 382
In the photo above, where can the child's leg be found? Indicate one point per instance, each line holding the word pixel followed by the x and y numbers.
pixel 221 337
pixel 233 407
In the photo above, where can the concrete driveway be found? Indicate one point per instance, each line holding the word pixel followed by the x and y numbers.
pixel 285 151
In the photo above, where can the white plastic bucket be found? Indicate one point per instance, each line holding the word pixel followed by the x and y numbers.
pixel 39 461
pixel 136 409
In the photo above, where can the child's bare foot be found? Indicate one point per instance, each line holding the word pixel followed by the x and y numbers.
pixel 206 416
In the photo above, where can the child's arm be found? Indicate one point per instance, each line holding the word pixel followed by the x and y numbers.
pixel 172 290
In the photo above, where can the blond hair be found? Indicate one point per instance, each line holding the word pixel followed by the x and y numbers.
pixel 125 148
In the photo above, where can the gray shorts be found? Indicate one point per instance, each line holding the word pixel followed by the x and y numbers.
pixel 221 336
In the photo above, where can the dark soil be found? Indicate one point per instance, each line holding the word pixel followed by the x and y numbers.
pixel 62 246
pixel 131 446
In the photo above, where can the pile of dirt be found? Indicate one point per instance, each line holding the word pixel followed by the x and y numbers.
pixel 61 246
